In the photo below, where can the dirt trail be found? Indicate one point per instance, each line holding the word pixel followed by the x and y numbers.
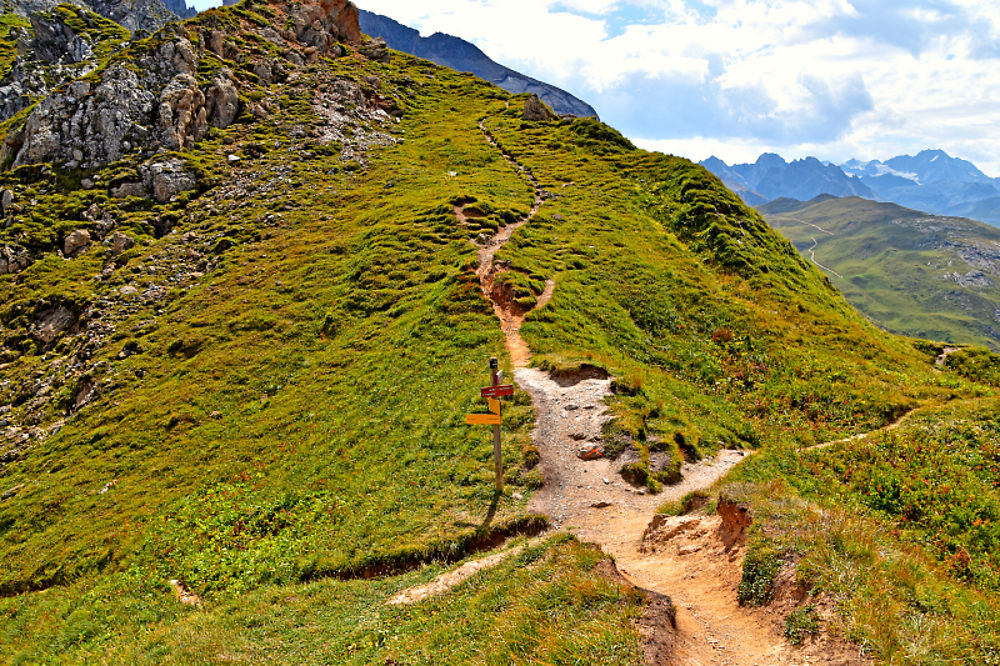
pixel 943 357
pixel 812 257
pixel 591 499
pixel 511 315
pixel 864 435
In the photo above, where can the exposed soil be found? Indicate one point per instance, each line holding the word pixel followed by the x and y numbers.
pixel 698 561
pixel 695 561
pixel 511 316
pixel 450 579
pixel 184 595
pixel 943 357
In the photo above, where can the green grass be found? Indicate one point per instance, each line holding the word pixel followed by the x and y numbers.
pixel 893 265
pixel 899 529
pixel 545 605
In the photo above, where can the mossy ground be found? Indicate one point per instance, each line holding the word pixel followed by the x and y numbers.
pixel 296 415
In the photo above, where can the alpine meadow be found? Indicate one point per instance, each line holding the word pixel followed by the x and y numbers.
pixel 253 267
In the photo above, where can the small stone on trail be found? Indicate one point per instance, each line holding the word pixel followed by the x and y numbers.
pixel 600 505
pixel 607 482
pixel 589 453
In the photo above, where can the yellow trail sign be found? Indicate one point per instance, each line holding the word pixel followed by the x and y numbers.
pixel 482 419
pixel 494 406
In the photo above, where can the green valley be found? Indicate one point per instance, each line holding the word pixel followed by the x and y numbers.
pixel 915 274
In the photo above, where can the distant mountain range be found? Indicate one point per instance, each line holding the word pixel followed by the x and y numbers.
pixel 460 55
pixel 931 181
pixel 922 275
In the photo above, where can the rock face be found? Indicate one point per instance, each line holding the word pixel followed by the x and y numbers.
pixel 460 55
pixel 145 15
pixel 152 98
pixel 56 54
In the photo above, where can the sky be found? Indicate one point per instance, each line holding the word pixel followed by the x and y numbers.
pixel 834 79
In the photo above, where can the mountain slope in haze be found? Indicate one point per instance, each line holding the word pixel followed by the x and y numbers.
pixel 243 324
pixel 462 56
pixel 933 181
pixel 917 274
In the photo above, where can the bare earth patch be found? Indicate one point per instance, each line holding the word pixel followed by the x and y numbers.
pixel 448 580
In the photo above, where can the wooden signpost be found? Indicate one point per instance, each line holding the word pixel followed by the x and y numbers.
pixel 493 393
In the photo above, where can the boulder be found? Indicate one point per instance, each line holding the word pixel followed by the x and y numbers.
pixel 13 260
pixel 51 322
pixel 222 100
pixel 536 110
pixel 376 49
pixel 76 242
pixel 119 242
pixel 166 177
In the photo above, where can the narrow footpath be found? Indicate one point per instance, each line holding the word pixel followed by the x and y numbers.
pixel 689 559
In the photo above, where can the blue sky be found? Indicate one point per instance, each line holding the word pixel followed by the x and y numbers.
pixel 832 78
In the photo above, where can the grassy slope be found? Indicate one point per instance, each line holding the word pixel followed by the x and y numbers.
pixel 297 414
pixel 894 262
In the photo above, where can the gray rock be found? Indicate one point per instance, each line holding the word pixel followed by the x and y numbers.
pixel 76 243
pixel 119 243
pixel 222 100
pixel 166 178
pixel 130 189
pixel 376 49
pixel 52 322
pixel 13 259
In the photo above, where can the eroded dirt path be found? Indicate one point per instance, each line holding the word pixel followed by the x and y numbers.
pixel 511 316
pixel 700 571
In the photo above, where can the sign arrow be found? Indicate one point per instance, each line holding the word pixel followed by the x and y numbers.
pixel 482 419
pixel 497 391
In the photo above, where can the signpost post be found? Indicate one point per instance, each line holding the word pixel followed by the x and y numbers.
pixel 497 450
pixel 493 393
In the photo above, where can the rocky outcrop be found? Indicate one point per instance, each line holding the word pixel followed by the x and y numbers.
pixel 152 98
pixel 162 178
pixel 55 41
pixel 144 15
pixel 13 259
pixel 536 110
pixel 52 53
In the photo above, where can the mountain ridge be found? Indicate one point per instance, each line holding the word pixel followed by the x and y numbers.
pixel 931 181
pixel 461 55
pixel 916 274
